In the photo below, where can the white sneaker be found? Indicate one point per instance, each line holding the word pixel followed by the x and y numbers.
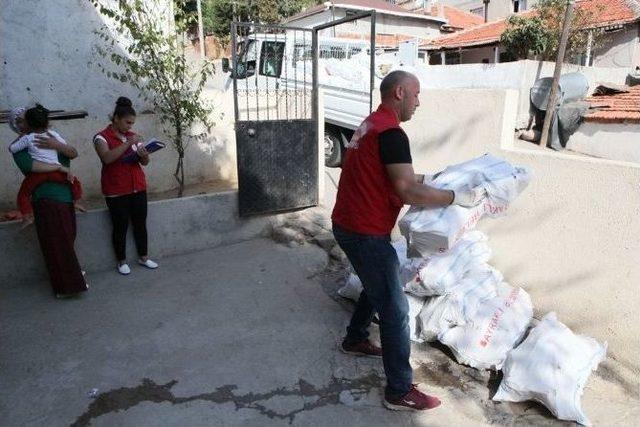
pixel 148 263
pixel 124 269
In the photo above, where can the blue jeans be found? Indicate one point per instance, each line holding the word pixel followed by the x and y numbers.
pixel 376 263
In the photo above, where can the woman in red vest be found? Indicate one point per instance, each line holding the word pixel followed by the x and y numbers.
pixel 123 182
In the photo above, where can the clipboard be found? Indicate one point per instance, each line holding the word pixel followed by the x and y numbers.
pixel 152 146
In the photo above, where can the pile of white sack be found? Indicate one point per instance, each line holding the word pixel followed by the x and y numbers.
pixel 437 230
pixel 457 298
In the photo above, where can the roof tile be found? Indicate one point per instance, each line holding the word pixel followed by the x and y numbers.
pixel 456 18
pixel 605 13
pixel 617 108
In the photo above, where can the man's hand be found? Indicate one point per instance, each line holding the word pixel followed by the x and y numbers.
pixel 469 198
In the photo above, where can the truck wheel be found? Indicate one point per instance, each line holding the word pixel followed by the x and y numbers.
pixel 332 149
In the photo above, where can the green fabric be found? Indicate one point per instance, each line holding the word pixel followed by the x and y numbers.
pixel 24 161
pixel 48 190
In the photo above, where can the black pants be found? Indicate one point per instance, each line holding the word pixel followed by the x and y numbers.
pixel 122 209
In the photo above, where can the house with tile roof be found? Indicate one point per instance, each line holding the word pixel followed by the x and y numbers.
pixel 619 19
pixel 457 19
pixel 489 9
pixel 393 23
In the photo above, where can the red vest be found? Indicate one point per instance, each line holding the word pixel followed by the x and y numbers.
pixel 120 178
pixel 366 202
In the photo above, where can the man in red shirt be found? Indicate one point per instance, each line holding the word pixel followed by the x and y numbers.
pixel 377 179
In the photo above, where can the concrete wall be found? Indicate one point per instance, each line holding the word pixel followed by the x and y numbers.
pixel 386 24
pixel 48 51
pixel 175 226
pixel 519 75
pixel 503 8
pixel 497 8
pixel 570 239
pixel 613 141
pixel 619 49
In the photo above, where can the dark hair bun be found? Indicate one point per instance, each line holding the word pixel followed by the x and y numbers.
pixel 123 101
pixel 40 108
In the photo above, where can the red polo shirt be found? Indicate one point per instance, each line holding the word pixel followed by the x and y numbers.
pixel 366 202
pixel 119 177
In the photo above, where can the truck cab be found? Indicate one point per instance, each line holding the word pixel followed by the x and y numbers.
pixel 281 61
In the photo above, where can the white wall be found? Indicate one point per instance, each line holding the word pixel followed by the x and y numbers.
pixel 519 75
pixel 502 8
pixel 412 27
pixel 619 49
pixel 497 8
pixel 613 141
pixel 48 56
pixel 571 239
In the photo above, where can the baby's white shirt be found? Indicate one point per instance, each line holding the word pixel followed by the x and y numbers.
pixel 44 155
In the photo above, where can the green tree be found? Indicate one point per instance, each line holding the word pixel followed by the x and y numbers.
pixel 539 32
pixel 217 15
pixel 154 61
pixel 525 36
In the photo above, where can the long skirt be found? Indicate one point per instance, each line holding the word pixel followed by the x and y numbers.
pixel 56 227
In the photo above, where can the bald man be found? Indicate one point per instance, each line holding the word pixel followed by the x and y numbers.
pixel 377 179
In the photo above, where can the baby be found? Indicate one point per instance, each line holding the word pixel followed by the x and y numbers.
pixel 46 166
pixel 44 159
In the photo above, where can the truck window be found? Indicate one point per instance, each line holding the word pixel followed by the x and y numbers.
pixel 246 54
pixel 271 58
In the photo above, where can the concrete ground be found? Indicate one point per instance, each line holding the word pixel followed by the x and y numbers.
pixel 244 334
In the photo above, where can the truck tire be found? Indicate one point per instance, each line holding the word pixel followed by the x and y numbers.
pixel 332 148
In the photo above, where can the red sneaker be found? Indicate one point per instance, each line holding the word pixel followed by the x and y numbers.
pixel 363 348
pixel 414 400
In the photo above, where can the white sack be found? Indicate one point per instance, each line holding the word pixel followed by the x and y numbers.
pixel 437 230
pixel 415 306
pixel 498 324
pixel 441 272
pixel 460 304
pixel 352 288
pixel 552 367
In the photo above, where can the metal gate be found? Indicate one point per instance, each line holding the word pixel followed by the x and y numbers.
pixel 274 72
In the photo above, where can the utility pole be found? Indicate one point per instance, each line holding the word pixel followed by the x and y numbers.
pixel 551 104
pixel 200 30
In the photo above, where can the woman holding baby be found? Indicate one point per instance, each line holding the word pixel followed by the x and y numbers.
pixel 39 151
pixel 123 182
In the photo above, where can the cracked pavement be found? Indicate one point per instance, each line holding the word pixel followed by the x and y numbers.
pixel 244 334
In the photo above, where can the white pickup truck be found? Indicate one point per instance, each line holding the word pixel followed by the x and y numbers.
pixel 271 62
